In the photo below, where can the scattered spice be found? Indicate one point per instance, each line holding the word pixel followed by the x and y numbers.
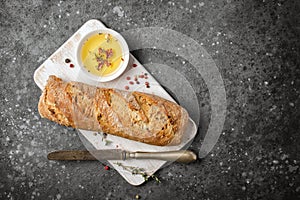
pixel 126 87
pixel 137 77
pixel 138 171
pixel 106 167
pixel 122 59
pixel 134 65
pixel 107 37
pixel 71 65
pixel 106 141
pixel 102 57
pixel 67 60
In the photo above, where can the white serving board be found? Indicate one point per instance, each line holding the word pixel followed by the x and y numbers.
pixel 55 65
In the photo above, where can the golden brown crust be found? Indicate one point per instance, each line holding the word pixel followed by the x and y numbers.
pixel 134 115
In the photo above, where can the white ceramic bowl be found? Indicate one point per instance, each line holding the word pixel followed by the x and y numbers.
pixel 123 64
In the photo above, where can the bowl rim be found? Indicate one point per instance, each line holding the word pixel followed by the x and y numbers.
pixel 125 55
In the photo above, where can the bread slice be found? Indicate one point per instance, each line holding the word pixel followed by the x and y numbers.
pixel 133 115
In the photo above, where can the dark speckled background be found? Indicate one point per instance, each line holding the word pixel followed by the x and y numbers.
pixel 256 47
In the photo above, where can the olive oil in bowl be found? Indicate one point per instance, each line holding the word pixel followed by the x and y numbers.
pixel 103 55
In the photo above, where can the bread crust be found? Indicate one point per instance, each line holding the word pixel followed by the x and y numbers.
pixel 133 115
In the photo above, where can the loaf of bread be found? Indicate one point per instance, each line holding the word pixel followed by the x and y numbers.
pixel 133 115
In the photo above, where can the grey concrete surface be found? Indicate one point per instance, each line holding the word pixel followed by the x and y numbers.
pixel 256 47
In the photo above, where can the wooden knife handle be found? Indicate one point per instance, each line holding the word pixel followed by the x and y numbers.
pixel 70 155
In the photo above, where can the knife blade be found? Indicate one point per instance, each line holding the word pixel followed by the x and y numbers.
pixel 183 156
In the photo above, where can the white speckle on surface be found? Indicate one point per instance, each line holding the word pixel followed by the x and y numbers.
pixel 40 164
pixel 119 11
pixel 269 54
pixel 273 107
pixel 201 4
pixel 58 196
pixel 30 153
pixel 275 162
pixel 77 12
pixel 80 186
pixel 33 143
pixel 284 156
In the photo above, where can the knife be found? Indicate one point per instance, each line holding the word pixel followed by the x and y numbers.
pixel 183 156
